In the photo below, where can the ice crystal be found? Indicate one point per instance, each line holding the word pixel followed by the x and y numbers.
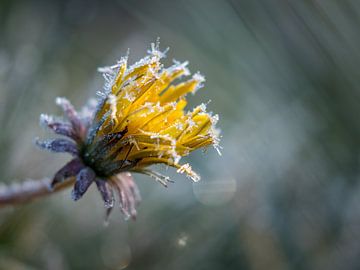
pixel 138 120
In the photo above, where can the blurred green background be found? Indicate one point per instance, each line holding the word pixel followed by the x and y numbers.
pixel 282 75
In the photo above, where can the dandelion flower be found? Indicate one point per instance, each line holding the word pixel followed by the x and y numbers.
pixel 139 120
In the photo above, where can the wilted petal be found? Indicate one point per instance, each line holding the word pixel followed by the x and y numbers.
pixel 120 195
pixel 83 181
pixel 128 193
pixel 72 168
pixel 59 146
pixel 127 177
pixel 106 193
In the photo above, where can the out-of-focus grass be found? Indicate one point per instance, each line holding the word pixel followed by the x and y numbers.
pixel 283 75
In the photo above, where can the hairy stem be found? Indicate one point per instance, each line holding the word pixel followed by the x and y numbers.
pixel 29 190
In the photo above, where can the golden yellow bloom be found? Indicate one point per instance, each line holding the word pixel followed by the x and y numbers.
pixel 140 120
pixel 145 102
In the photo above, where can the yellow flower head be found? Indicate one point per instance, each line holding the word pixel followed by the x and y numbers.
pixel 140 120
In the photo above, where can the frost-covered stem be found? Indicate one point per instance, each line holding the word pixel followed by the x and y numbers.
pixel 29 190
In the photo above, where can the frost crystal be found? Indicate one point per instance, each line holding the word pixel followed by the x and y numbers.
pixel 186 168
pixel 139 119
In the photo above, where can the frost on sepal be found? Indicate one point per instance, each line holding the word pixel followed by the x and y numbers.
pixel 71 114
pixel 72 168
pixel 88 111
pixel 186 168
pixel 106 193
pixel 59 127
pixel 59 146
pixel 83 181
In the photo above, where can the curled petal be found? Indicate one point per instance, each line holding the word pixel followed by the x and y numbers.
pixel 83 181
pixel 134 190
pixel 59 146
pixel 72 168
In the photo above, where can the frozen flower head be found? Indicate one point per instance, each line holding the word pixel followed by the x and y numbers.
pixel 139 120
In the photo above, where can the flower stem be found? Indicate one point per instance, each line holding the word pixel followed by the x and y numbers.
pixel 29 190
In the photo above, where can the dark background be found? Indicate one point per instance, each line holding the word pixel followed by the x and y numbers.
pixel 282 75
